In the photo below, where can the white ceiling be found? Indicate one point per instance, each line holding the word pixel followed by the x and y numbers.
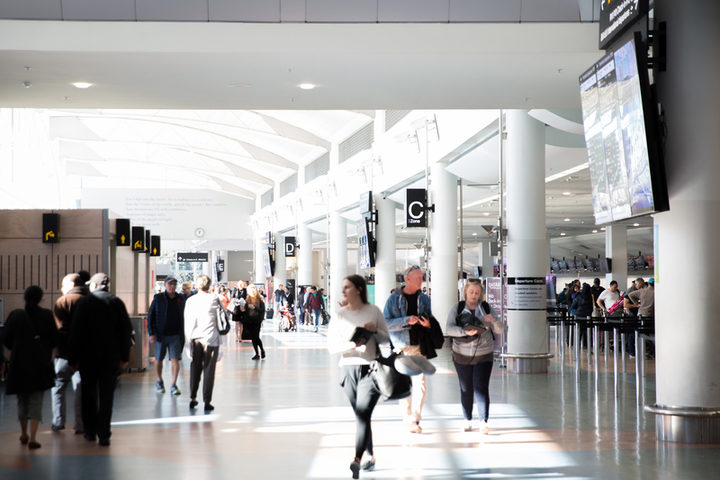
pixel 258 66
pixel 360 67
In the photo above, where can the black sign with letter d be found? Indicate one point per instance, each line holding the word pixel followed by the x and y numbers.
pixel 289 246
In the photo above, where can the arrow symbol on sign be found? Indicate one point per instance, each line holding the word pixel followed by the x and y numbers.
pixel 49 235
pixel 154 251
pixel 122 239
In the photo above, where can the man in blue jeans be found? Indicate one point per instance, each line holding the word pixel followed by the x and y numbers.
pixel 166 330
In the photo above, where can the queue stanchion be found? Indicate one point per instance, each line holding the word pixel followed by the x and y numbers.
pixel 596 345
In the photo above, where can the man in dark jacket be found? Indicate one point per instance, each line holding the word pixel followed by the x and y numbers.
pixel 73 290
pixel 166 329
pixel 100 347
pixel 314 305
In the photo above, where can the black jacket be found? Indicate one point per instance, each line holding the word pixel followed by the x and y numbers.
pixel 100 332
pixel 31 336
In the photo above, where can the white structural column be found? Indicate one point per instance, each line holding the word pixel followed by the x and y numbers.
pixel 443 239
pixel 616 249
pixel 385 258
pixel 687 331
pixel 280 264
pixel 304 255
pixel 526 243
pixel 338 259
pixel 260 247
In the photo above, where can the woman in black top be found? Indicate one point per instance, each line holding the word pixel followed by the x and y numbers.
pixel 31 335
pixel 252 319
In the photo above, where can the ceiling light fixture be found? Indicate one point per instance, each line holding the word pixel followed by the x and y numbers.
pixel 562 234
pixel 567 194
pixel 566 219
pixel 487 214
pixel 595 231
pixel 636 224
pixel 474 234
pixel 27 84
pixel 82 84
pixel 602 228
pixel 307 86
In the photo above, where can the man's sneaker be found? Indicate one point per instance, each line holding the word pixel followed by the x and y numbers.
pixel 174 390
pixel 159 386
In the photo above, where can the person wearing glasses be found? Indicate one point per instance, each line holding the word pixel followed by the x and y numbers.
pixel 355 334
pixel 414 331
pixel 471 326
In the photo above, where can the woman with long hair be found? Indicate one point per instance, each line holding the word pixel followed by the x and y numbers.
pixel 31 335
pixel 356 333
pixel 254 315
pixel 470 325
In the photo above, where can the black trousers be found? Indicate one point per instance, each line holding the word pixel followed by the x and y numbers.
pixel 475 381
pixel 360 389
pixel 97 399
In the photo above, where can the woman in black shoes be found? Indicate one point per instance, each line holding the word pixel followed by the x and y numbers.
pixel 254 315
pixel 355 334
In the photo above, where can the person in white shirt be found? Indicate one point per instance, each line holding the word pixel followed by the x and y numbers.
pixel 609 297
pixel 358 316
pixel 201 332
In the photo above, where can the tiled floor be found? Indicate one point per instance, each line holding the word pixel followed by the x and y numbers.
pixel 286 417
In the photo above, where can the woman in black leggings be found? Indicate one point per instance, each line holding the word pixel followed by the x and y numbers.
pixel 470 325
pixel 356 333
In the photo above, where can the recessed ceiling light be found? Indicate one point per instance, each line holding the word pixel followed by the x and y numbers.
pixel 307 86
pixel 562 234
pixel 567 194
pixel 595 231
pixel 474 234
pixel 636 224
pixel 566 219
pixel 602 228
pixel 487 214
pixel 82 85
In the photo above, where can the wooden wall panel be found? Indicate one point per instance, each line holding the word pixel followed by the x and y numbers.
pixel 25 260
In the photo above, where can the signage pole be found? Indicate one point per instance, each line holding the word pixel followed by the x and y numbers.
pixel 501 236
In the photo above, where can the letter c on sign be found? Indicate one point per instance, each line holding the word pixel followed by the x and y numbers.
pixel 413 205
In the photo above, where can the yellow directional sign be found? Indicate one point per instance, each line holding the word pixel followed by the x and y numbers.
pixel 138 245
pixel 49 235
pixel 122 239
pixel 154 251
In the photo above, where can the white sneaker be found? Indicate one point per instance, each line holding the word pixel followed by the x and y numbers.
pixel 485 429
pixel 468 426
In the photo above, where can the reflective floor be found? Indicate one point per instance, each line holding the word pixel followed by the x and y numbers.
pixel 286 417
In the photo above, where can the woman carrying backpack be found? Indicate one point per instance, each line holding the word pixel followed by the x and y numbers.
pixel 470 326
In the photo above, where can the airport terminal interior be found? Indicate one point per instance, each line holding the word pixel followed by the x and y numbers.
pixel 298 142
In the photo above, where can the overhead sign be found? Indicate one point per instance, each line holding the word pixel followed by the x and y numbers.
pixel 155 246
pixel 122 232
pixel 616 16
pixel 415 207
pixel 138 239
pixel 221 265
pixel 51 227
pixel 289 246
pixel 526 293
pixel 193 257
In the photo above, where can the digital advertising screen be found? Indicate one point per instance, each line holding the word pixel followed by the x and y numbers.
pixel 624 157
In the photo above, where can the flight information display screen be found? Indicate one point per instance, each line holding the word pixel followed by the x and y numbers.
pixel 618 144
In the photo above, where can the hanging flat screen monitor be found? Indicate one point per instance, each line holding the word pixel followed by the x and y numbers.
pixel 624 155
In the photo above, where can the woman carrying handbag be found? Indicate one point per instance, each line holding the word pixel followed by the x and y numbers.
pixel 356 333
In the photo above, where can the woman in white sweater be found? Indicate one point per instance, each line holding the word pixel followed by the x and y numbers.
pixel 355 334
